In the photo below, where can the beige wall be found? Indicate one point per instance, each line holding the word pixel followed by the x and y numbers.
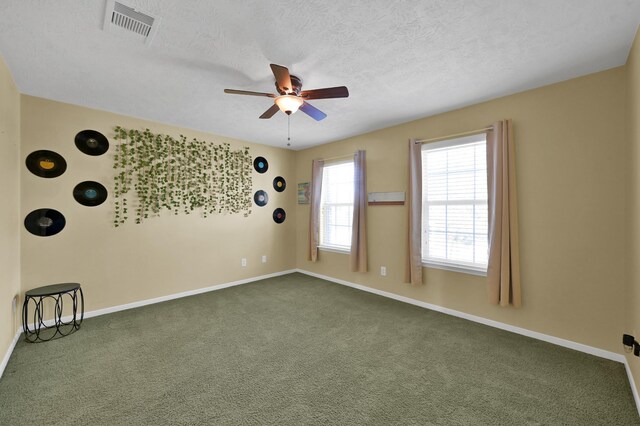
pixel 162 256
pixel 633 118
pixel 571 169
pixel 9 206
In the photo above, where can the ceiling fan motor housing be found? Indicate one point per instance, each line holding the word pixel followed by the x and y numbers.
pixel 296 82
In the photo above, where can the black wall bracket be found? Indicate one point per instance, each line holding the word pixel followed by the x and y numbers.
pixel 630 343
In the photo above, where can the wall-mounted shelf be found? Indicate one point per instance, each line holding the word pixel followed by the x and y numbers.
pixel 386 198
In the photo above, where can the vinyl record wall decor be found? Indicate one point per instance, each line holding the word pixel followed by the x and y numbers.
pixel 261 198
pixel 279 184
pixel 92 142
pixel 260 164
pixel 279 215
pixel 90 193
pixel 44 222
pixel 46 164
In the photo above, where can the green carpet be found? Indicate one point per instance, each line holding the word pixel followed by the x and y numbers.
pixel 297 350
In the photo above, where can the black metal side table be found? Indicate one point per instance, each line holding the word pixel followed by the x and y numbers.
pixel 42 332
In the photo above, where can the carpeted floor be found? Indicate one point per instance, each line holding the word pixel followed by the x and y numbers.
pixel 297 350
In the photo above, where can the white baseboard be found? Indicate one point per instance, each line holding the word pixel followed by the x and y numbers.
pixel 632 382
pixel 518 330
pixel 140 303
pixel 5 360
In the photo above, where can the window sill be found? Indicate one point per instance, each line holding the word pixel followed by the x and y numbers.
pixel 455 268
pixel 335 249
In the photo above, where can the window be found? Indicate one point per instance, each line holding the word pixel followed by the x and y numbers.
pixel 454 204
pixel 336 206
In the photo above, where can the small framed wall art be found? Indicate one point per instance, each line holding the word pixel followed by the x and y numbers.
pixel 304 193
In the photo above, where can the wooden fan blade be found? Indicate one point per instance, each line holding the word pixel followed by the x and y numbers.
pixel 269 113
pixel 282 77
pixel 312 112
pixel 245 92
pixel 328 93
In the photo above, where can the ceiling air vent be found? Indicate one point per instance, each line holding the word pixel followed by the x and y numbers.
pixel 129 22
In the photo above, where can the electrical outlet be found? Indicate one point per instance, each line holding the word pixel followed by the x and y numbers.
pixel 628 339
pixel 264 258
pixel 383 271
pixel 243 262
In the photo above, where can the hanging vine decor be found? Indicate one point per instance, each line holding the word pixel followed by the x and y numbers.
pixel 156 172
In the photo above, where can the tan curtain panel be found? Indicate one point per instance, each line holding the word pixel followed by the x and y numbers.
pixel 413 270
pixel 359 228
pixel 314 214
pixel 503 272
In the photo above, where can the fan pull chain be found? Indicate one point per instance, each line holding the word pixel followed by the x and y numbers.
pixel 289 130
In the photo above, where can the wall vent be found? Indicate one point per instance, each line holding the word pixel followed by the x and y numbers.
pixel 129 22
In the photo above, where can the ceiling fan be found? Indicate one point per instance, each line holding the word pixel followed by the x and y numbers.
pixel 291 96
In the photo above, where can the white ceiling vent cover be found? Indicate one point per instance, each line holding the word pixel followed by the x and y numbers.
pixel 129 22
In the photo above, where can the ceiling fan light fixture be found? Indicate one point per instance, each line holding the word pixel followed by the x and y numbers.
pixel 289 103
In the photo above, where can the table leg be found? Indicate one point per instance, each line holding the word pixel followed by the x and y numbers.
pixel 74 297
pixel 25 314
pixel 57 315
pixel 82 307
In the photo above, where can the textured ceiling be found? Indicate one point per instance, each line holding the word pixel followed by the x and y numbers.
pixel 401 60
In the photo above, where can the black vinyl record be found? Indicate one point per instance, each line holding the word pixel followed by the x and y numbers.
pixel 46 164
pixel 261 198
pixel 260 164
pixel 92 142
pixel 89 193
pixel 279 215
pixel 279 184
pixel 44 222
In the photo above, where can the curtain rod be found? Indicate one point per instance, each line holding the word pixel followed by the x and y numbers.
pixel 338 157
pixel 456 135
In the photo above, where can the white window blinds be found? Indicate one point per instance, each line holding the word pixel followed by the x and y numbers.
pixel 454 209
pixel 336 205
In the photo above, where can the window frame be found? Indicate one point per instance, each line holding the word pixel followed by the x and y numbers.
pixel 455 266
pixel 328 247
